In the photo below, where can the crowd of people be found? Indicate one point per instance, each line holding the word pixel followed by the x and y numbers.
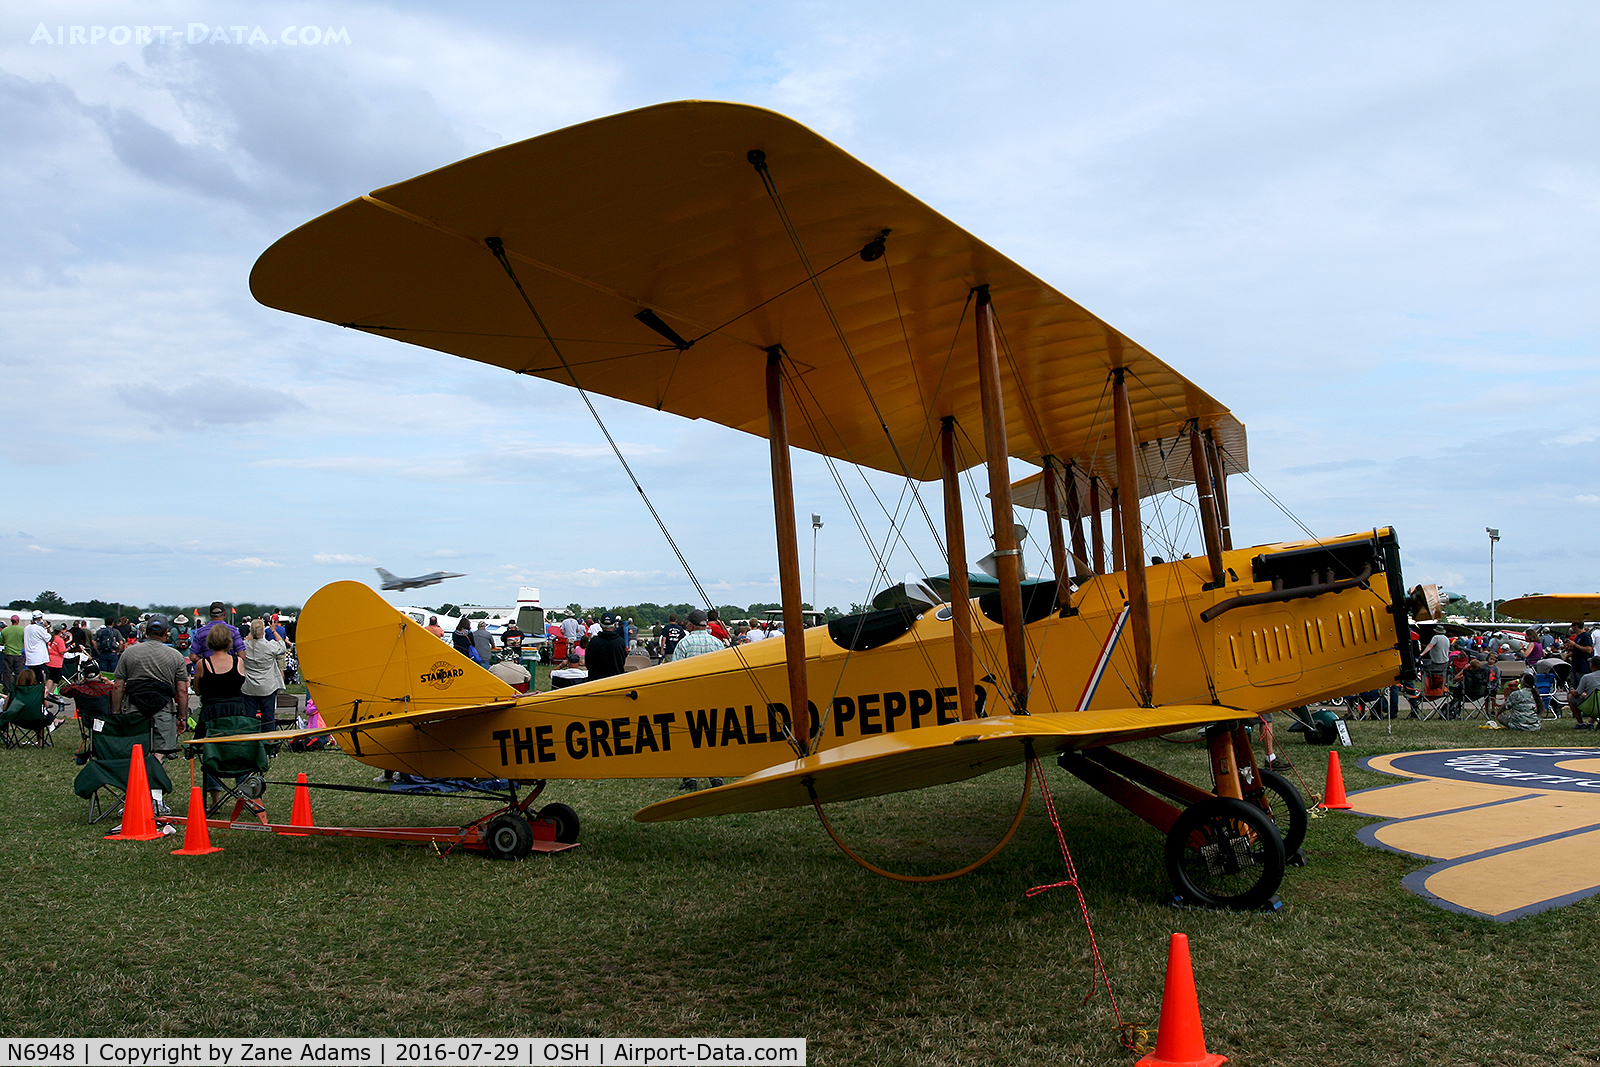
pixel 155 667
pixel 1514 664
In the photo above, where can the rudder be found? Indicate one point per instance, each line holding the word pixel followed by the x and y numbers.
pixel 363 659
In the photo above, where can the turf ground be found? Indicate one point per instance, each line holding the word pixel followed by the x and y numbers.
pixel 756 926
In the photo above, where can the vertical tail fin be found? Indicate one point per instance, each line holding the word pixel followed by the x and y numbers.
pixel 363 659
pixel 384 575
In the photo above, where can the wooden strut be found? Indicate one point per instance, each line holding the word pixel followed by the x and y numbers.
pixel 794 634
pixel 1116 529
pixel 1097 562
pixel 1219 480
pixel 1075 514
pixel 956 541
pixel 1210 528
pixel 997 454
pixel 1132 535
pixel 1058 543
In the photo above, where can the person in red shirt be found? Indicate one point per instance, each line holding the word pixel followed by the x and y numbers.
pixel 714 624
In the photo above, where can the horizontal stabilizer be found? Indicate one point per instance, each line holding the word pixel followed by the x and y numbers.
pixel 410 718
pixel 935 755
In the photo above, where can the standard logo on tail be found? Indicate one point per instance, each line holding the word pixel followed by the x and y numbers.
pixel 441 675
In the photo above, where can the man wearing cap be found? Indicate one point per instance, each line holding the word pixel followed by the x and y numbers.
pixel 11 652
pixel 197 639
pixel 483 643
pixel 36 645
pixel 697 642
pixel 154 677
pixel 607 651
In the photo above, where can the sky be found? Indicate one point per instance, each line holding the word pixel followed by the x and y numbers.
pixel 1373 230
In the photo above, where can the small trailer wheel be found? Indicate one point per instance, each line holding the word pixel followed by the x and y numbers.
pixel 508 837
pixel 566 821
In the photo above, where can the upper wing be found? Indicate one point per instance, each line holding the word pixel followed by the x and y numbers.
pixel 661 210
pixel 1164 465
pixel 1554 607
pixel 934 755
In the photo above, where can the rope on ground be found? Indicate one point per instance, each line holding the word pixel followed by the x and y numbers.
pixel 1135 1037
pixel 1313 799
pixel 1022 809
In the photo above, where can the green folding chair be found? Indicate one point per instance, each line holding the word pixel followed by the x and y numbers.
pixel 234 769
pixel 110 760
pixel 24 710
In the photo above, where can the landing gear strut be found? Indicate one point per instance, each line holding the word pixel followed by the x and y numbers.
pixel 1225 848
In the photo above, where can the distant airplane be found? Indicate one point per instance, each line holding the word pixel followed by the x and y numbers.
pixel 390 582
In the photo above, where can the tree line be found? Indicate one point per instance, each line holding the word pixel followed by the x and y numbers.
pixel 648 614
pixel 53 603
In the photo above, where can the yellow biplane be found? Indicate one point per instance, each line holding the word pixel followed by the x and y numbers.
pixel 722 262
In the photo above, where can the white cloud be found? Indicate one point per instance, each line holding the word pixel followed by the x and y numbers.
pixel 252 562
pixel 340 557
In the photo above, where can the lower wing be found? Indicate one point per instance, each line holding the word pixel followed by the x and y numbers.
pixel 915 759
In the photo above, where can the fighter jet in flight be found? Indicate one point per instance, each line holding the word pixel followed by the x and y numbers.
pixel 390 582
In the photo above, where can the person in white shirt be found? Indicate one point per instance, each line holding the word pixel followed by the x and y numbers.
pixel 36 644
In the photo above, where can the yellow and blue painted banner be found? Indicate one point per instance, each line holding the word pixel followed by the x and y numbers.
pixel 1512 831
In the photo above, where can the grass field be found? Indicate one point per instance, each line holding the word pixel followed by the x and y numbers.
pixel 756 926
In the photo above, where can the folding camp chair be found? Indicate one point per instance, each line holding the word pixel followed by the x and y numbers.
pixel 1469 693
pixel 1588 707
pixel 233 770
pixel 110 758
pixel 24 720
pixel 1434 698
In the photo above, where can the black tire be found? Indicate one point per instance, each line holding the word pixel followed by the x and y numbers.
pixel 1224 853
pixel 508 837
pixel 566 821
pixel 1287 808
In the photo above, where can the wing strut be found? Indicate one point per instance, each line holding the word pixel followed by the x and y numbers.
pixel 794 633
pixel 1098 562
pixel 1058 545
pixel 955 535
pixel 1220 480
pixel 1132 531
pixel 1210 526
pixel 1005 535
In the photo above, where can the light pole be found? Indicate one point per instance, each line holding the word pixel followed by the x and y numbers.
pixel 1494 535
pixel 816 524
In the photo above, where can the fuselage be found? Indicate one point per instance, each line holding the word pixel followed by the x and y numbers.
pixel 724 714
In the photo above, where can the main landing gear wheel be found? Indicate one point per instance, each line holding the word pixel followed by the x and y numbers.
pixel 1288 811
pixel 1225 853
pixel 508 837
pixel 566 821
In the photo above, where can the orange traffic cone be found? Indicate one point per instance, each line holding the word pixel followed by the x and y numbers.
pixel 1333 793
pixel 138 815
pixel 196 835
pixel 1180 1042
pixel 300 814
